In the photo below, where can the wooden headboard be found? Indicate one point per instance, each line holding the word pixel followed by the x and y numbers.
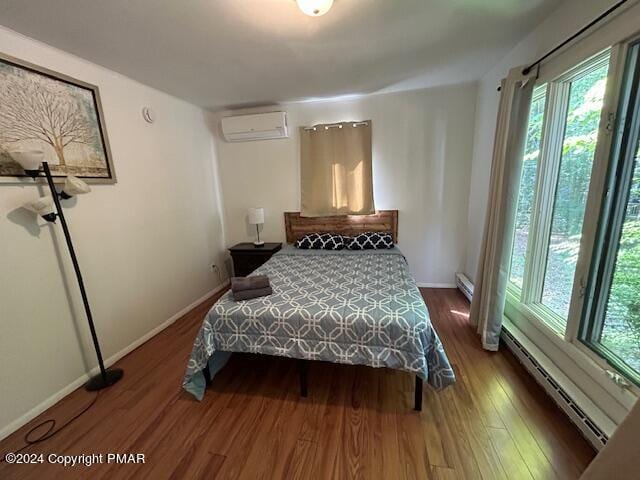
pixel 381 221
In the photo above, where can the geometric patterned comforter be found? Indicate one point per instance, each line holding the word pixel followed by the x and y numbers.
pixel 355 307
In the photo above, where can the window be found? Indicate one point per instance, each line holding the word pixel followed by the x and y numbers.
pixel 612 321
pixel 335 169
pixel 576 273
pixel 586 93
pixel 562 135
pixel 527 186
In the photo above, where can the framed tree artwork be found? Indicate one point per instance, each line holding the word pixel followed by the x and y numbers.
pixel 48 111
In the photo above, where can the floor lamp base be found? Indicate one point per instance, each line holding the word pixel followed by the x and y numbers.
pixel 99 382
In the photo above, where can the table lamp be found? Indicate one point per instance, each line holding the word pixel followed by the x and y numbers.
pixel 256 217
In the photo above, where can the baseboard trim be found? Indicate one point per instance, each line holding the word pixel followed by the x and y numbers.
pixel 436 285
pixel 59 395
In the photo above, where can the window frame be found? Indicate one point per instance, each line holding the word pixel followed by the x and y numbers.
pixel 626 136
pixel 590 361
pixel 529 297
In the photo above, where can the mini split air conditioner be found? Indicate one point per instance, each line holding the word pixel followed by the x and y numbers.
pixel 249 128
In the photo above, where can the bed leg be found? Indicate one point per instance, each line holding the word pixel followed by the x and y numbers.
pixel 418 395
pixel 303 366
pixel 207 374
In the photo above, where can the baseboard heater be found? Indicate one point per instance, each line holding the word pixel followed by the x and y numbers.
pixel 589 430
pixel 464 285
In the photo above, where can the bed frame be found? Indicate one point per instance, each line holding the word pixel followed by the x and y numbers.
pixel 303 369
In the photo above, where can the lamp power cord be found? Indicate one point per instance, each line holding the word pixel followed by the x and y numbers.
pixel 51 430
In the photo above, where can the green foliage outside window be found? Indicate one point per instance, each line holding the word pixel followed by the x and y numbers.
pixel 621 331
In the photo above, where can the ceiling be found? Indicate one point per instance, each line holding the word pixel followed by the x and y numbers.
pixel 225 53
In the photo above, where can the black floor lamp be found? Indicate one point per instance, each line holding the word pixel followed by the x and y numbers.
pixel 51 209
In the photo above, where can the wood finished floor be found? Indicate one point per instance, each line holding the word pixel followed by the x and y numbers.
pixel 358 422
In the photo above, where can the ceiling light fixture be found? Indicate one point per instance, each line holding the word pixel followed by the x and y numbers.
pixel 314 8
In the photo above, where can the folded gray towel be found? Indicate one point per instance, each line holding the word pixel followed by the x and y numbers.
pixel 253 293
pixel 239 284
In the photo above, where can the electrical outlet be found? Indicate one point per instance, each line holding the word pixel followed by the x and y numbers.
pixel 216 269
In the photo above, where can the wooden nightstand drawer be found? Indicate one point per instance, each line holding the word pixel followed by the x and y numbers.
pixel 247 257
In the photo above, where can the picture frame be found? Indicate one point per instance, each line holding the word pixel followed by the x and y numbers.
pixel 41 109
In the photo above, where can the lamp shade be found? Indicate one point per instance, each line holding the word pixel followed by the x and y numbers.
pixel 43 206
pixel 75 186
pixel 28 159
pixel 256 216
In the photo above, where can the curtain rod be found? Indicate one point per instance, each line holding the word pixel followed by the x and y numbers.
pixel 336 125
pixel 574 36
pixel 608 12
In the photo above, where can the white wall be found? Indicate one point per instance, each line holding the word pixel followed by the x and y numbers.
pixel 145 244
pixel 421 166
pixel 570 16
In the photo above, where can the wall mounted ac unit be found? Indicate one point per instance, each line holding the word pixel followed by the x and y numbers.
pixel 261 126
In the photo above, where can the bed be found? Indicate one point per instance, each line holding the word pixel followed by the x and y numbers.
pixel 347 306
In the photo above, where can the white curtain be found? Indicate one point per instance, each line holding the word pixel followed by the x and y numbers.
pixel 487 307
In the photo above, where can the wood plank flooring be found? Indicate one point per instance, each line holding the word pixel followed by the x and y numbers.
pixel 358 422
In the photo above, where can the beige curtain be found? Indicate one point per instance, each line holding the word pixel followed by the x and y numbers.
pixel 620 457
pixel 335 170
pixel 487 307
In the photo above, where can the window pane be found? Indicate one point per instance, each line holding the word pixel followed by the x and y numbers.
pixel 578 147
pixel 527 187
pixel 621 329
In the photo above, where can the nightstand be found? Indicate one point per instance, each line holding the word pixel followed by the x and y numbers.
pixel 247 257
